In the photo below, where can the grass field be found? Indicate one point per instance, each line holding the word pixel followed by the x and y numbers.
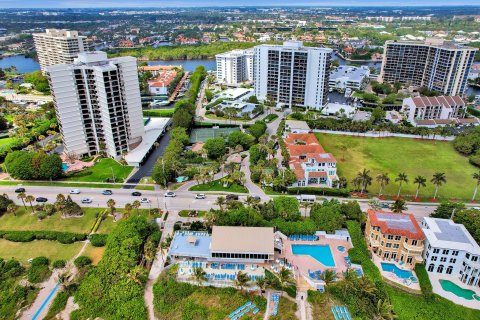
pixel 4 141
pixel 167 113
pixel 26 221
pixel 62 184
pixel 217 185
pixel 102 171
pixel 184 213
pixel 23 251
pixel 95 253
pixel 411 156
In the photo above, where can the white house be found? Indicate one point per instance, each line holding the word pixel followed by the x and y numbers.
pixel 351 77
pixel 450 249
pixel 433 108
pixel 159 85
pixel 296 126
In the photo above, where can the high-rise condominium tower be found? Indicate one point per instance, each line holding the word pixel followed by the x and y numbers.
pixel 57 46
pixel 98 105
pixel 235 66
pixel 291 74
pixel 439 65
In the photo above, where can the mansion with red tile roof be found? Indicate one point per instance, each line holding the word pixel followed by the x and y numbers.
pixel 311 164
pixel 159 85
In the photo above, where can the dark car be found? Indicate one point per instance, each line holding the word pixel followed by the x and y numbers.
pixel 136 194
pixel 20 190
pixel 41 199
pixel 231 197
pixel 107 192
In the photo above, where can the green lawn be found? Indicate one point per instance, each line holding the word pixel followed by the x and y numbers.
pixel 4 141
pixel 217 185
pixel 62 184
pixel 102 171
pixel 26 221
pixel 411 156
pixel 166 113
pixel 184 213
pixel 23 251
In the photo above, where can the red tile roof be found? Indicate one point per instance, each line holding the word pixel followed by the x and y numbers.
pixel 398 224
pixel 164 78
pixel 446 101
pixel 317 174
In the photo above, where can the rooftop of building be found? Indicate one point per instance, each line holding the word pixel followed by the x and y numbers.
pixel 191 244
pixel 434 42
pixel 159 68
pixel 235 53
pixel 163 79
pixel 295 45
pixel 444 233
pixel 59 33
pixel 297 124
pixel 400 224
pixel 242 239
pixel 446 101
pixel 353 73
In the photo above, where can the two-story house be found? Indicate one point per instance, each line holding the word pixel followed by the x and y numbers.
pixel 395 237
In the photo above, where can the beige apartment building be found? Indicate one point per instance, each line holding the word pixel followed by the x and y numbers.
pixel 57 46
pixel 395 237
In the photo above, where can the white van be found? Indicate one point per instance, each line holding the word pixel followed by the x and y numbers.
pixel 306 198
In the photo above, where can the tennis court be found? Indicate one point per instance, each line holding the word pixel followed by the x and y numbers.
pixel 202 134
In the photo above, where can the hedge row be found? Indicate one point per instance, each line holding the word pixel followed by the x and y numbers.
pixel 424 280
pixel 98 240
pixel 320 191
pixel 27 236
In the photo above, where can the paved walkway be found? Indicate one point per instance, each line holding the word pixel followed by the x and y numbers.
pixel 253 189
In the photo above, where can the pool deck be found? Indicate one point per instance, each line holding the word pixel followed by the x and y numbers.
pixel 393 277
pixel 437 288
pixel 303 263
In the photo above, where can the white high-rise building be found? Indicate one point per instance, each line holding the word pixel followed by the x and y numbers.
pixel 292 74
pixel 235 66
pixel 57 46
pixel 97 101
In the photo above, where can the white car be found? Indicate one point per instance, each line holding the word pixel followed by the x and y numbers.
pixel 170 194
pixel 75 191
pixel 144 200
pixel 200 196
pixel 87 200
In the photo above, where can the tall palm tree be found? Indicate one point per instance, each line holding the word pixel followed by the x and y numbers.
pixel 383 180
pixel 135 205
pixel 420 182
pixel 476 176
pixel 22 196
pixel 398 206
pixel 365 179
pixel 60 202
pixel 199 275
pixel 111 204
pixel 286 278
pixel 438 179
pixel 384 311
pixel 261 283
pixel 328 276
pixel 11 208
pixel 305 205
pixel 149 251
pixel 242 280
pixel 401 178
pixel 29 198
pixel 128 210
pixel 220 202
pixel 137 275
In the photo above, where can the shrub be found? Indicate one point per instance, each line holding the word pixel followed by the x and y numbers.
pixel 4 202
pixel 82 261
pixel 41 215
pixel 38 271
pixel 40 261
pixel 27 236
pixel 320 191
pixel 98 240
pixel 424 281
pixel 59 264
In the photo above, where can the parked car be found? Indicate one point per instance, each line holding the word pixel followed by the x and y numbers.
pixel 170 194
pixel 231 197
pixel 20 190
pixel 41 199
pixel 75 191
pixel 144 200
pixel 107 192
pixel 136 194
pixel 200 196
pixel 87 200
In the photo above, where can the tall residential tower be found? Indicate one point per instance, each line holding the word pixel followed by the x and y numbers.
pixel 98 105
pixel 57 46
pixel 439 65
pixel 291 74
pixel 235 66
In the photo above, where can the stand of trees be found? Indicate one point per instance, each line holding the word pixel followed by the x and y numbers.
pixel 33 165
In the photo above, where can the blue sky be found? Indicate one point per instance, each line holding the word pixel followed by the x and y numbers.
pixel 194 3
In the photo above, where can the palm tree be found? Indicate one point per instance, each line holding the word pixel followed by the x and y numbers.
pixel 476 176
pixel 328 276
pixel 242 280
pixel 420 182
pixel 149 251
pixel 383 180
pixel 29 198
pixel 135 205
pixel 438 179
pixel 22 196
pixel 365 179
pixel 305 205
pixel 401 178
pixel 398 206
pixel 60 202
pixel 128 210
pixel 111 204
pixel 220 202
pixel 199 275
pixel 136 274
pixel 251 201
pixel 384 311
pixel 285 277
pixel 261 283
pixel 11 208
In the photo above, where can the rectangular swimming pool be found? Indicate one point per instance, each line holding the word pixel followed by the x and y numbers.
pixel 390 267
pixel 321 253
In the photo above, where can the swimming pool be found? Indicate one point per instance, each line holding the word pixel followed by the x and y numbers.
pixel 65 167
pixel 390 267
pixel 449 286
pixel 321 253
